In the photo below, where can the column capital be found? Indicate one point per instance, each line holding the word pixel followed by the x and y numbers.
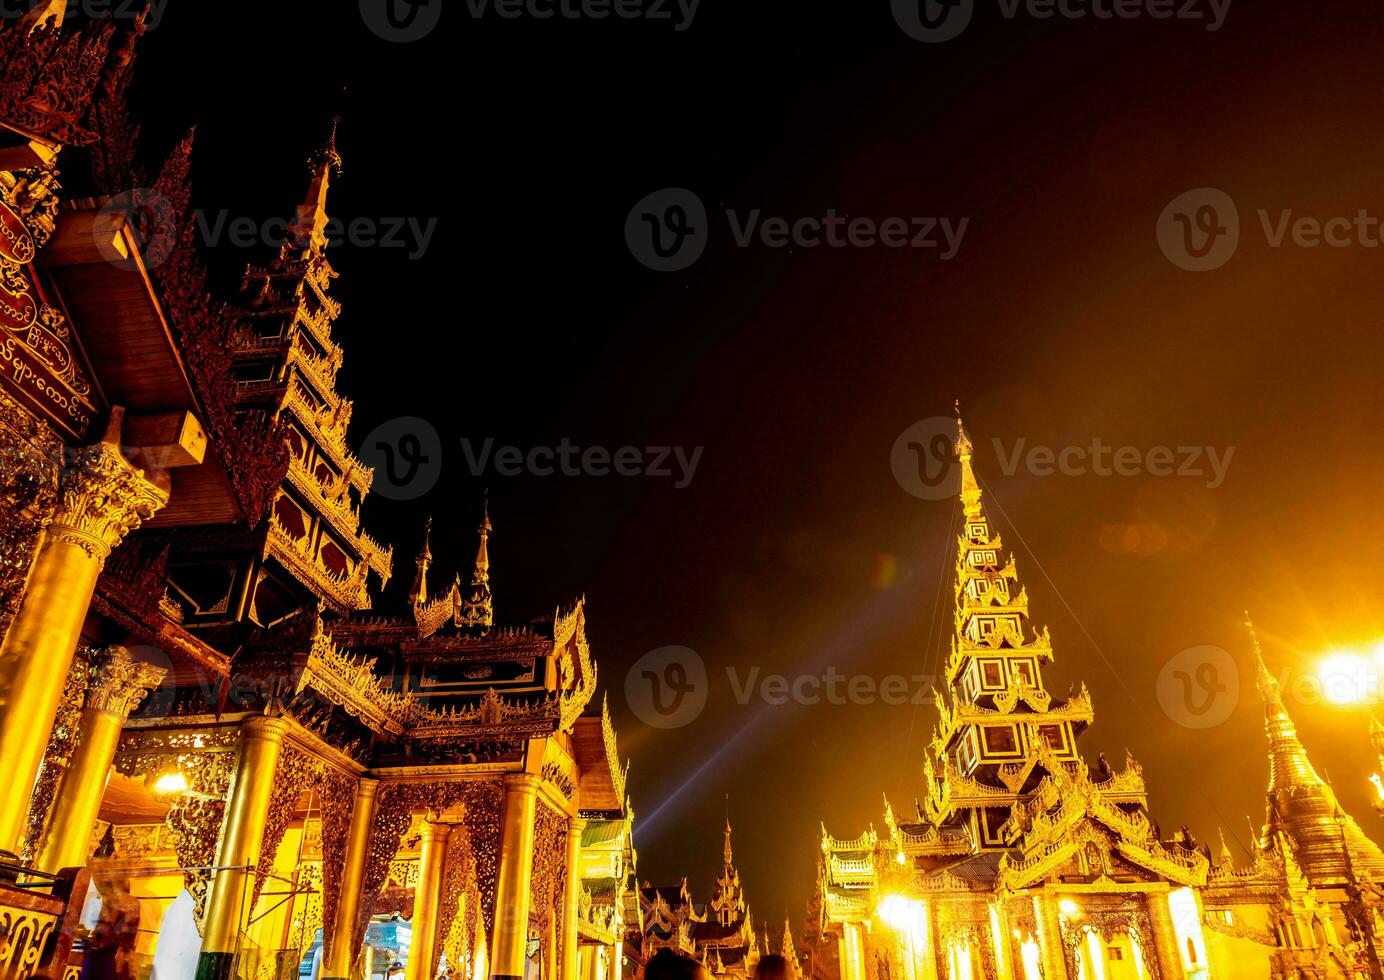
pixel 269 728
pixel 576 823
pixel 367 786
pixel 522 782
pixel 102 498
pixel 120 683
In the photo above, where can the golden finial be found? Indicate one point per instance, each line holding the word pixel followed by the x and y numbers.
pixel 1227 859
pixel 970 489
pixel 1264 679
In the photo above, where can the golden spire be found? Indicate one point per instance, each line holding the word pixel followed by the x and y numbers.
pixel 419 591
pixel 478 610
pixel 1289 766
pixel 729 862
pixel 310 229
pixel 970 490
pixel 1227 859
pixel 482 573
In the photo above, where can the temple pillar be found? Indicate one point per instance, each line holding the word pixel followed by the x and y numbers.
pixel 516 870
pixel 1054 958
pixel 427 900
pixel 572 899
pixel 927 951
pixel 1165 945
pixel 247 809
pixel 853 963
pixel 101 498
pixel 119 683
pixel 1005 968
pixel 340 936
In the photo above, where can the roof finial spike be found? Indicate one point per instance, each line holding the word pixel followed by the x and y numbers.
pixel 970 489
pixel 1263 677
pixel 478 610
pixel 419 591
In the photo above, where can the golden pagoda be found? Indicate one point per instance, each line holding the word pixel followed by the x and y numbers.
pixel 1022 861
pixel 222 760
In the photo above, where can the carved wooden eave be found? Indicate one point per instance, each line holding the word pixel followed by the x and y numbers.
pixel 491 715
pixel 576 669
pixel 253 451
pixel 597 753
pixel 51 79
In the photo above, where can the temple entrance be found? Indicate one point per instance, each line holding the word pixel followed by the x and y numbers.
pixel 1113 957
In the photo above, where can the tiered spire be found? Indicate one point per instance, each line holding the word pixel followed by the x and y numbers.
pixel 998 718
pixel 729 900
pixel 419 592
pixel 286 363
pixel 1289 767
pixel 477 610
pixel 309 231
pixel 1302 807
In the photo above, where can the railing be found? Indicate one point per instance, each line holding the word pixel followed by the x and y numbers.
pixel 39 914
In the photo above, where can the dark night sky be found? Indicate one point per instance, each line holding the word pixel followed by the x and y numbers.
pixel 1058 321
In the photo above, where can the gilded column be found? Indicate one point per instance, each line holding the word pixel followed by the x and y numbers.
pixel 572 900
pixel 516 870
pixel 261 743
pixel 427 897
pixel 853 966
pixel 1054 958
pixel 1165 944
pixel 341 937
pixel 928 941
pixel 101 498
pixel 119 683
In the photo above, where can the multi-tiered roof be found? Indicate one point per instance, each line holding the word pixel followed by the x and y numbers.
pixel 285 363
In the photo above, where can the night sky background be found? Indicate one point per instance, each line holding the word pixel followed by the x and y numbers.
pixel 794 547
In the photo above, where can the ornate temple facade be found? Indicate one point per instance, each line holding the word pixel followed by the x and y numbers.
pixel 220 761
pixel 719 934
pixel 1023 861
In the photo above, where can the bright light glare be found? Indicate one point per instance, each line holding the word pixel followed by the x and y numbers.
pixel 1069 908
pixel 171 783
pixel 898 912
pixel 1348 678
